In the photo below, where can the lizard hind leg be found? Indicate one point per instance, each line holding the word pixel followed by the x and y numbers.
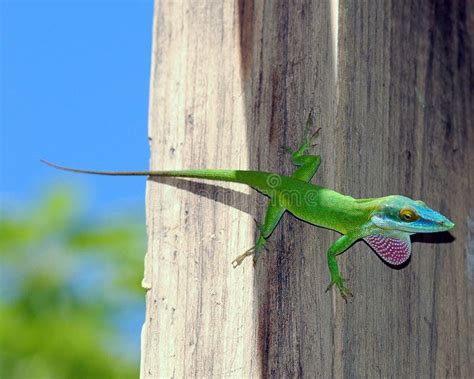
pixel 272 217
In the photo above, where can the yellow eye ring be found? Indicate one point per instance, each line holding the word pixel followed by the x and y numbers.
pixel 408 215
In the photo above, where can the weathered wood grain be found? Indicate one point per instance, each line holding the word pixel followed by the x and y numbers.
pixel 200 312
pixel 391 85
pixel 405 120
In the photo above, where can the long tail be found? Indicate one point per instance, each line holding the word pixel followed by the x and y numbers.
pixel 95 172
pixel 264 182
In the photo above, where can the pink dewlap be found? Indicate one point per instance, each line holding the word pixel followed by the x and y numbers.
pixel 391 250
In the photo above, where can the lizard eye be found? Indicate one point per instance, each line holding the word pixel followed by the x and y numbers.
pixel 408 215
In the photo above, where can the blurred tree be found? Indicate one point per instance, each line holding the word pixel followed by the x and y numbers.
pixel 69 291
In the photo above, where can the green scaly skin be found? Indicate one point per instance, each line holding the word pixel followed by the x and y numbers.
pixel 320 206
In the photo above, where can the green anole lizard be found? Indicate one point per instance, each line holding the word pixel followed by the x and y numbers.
pixel 385 223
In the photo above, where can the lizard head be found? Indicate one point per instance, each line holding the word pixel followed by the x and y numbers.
pixel 396 217
pixel 402 214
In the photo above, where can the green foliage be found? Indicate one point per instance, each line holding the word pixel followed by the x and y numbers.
pixel 64 280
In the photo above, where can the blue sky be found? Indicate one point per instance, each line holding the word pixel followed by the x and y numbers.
pixel 74 83
pixel 74 90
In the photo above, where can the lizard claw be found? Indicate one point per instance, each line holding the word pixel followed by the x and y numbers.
pixel 315 134
pixel 345 293
pixel 238 261
pixel 255 251
pixel 311 140
pixel 288 150
pixel 339 282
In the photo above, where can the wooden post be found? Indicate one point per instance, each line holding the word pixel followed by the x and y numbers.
pixel 390 83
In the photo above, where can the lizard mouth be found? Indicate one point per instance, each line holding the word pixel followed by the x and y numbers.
pixel 418 226
pixel 447 224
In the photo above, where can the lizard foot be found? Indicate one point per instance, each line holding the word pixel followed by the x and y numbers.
pixel 339 282
pixel 309 139
pixel 255 251
pixel 237 261
pixel 313 138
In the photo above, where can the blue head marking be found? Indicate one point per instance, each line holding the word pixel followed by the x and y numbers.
pixel 402 214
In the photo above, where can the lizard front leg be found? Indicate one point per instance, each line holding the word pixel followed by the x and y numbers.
pixel 307 164
pixel 338 247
